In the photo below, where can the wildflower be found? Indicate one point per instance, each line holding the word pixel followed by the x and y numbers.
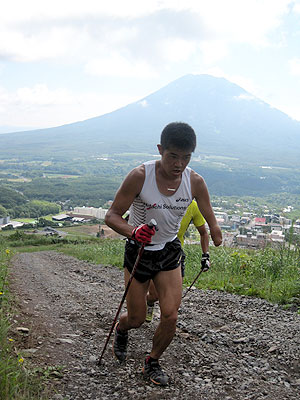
pixel 11 340
pixel 21 360
pixel 7 251
pixel 1 293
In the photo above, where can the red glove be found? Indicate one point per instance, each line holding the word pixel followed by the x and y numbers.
pixel 143 233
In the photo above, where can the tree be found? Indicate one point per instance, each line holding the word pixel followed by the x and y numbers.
pixel 3 211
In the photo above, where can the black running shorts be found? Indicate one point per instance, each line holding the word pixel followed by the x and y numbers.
pixel 152 262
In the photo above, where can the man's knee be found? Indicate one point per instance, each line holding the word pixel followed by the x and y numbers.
pixel 136 321
pixel 169 316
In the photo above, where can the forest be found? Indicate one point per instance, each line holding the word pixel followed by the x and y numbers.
pixel 39 187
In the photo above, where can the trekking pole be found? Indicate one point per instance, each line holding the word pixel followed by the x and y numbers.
pixel 193 283
pixel 205 264
pixel 138 258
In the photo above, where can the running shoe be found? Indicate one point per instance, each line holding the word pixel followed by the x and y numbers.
pixel 150 310
pixel 120 344
pixel 154 373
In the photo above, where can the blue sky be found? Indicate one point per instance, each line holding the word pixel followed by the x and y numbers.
pixel 65 61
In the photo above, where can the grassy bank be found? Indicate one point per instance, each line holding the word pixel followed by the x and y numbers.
pixel 271 274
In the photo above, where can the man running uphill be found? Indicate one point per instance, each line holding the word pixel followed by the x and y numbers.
pixel 160 190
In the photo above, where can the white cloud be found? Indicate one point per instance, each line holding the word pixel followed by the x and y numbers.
pixel 236 21
pixel 143 103
pixel 213 51
pixel 116 65
pixel 245 96
pixel 19 11
pixel 292 110
pixel 52 43
pixel 42 96
pixel 245 83
pixel 214 71
pixel 296 7
pixel 127 39
pixel 294 65
pixel 175 50
pixel 40 107
pixel 32 31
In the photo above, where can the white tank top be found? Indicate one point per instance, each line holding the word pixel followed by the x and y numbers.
pixel 166 210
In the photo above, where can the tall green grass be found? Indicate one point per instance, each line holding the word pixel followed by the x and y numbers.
pixel 272 274
pixel 106 251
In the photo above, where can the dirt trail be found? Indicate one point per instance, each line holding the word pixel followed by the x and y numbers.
pixel 226 346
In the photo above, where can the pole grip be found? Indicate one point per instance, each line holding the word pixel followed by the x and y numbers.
pixel 152 223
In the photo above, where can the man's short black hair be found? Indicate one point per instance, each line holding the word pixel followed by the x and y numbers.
pixel 179 135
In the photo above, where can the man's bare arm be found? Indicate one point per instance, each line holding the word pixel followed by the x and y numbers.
pixel 204 238
pixel 201 195
pixel 129 189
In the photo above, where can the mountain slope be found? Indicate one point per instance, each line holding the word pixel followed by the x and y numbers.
pixel 228 121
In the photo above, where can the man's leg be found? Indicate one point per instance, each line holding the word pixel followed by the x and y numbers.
pixel 169 288
pixel 152 295
pixel 133 318
pixel 135 302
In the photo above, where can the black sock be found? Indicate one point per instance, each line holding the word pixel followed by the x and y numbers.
pixel 151 360
pixel 120 331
